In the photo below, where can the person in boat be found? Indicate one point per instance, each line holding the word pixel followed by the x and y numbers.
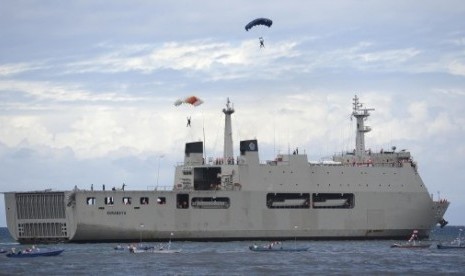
pixel 132 248
pixel 272 244
pixel 414 237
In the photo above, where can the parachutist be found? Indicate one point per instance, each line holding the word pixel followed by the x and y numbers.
pixel 259 21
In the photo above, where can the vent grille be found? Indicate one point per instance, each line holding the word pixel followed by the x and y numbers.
pixel 40 205
pixel 42 230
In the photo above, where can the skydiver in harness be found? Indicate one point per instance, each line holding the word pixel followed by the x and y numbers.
pixel 262 42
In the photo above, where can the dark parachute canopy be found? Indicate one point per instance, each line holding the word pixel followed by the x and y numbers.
pixel 258 21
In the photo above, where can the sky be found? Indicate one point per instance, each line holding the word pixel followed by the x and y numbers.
pixel 87 87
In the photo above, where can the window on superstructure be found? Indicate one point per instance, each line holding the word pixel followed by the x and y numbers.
pixel 109 200
pixel 144 200
pixel 182 201
pixel 127 200
pixel 90 201
pixel 207 178
pixel 161 200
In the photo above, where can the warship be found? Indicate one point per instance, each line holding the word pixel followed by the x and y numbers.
pixel 358 194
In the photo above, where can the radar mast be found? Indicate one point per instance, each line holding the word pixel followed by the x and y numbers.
pixel 360 114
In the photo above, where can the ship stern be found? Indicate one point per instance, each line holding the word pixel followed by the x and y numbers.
pixel 38 217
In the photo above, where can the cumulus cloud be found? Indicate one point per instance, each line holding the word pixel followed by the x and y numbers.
pixel 205 56
pixel 457 68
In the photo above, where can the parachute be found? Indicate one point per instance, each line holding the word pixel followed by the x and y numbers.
pixel 192 100
pixel 258 21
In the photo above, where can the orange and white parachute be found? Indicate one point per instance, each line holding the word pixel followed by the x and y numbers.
pixel 192 100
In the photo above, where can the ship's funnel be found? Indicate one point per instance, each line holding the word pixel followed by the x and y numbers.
pixel 193 153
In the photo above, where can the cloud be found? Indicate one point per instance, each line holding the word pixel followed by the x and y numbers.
pixel 389 56
pixel 441 125
pixel 23 129
pixel 216 59
pixel 60 92
pixel 457 68
pixel 7 70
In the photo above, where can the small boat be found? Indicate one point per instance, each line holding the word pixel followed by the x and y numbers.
pixel 119 247
pixel 416 245
pixel 35 252
pixel 450 246
pixel 152 249
pixel 142 247
pixel 165 251
pixel 458 243
pixel 412 243
pixel 276 247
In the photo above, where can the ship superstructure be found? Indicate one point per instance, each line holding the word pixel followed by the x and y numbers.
pixel 359 195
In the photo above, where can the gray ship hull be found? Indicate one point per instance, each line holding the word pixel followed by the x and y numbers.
pixel 383 210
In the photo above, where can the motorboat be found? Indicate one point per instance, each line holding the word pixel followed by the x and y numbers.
pixel 34 252
pixel 457 243
pixel 276 247
pixel 159 250
pixel 413 242
pixel 412 245
pixel 152 249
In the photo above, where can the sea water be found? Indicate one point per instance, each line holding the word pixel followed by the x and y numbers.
pixel 372 257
